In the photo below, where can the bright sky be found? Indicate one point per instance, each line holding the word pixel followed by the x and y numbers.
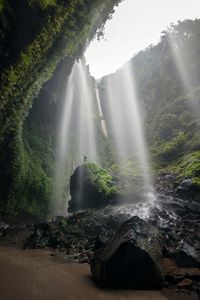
pixel 135 25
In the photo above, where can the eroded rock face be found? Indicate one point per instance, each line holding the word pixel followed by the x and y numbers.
pixel 131 259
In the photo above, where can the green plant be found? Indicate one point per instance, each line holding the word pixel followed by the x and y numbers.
pixel 101 178
pixel 55 30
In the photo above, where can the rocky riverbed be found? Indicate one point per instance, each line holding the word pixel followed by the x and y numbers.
pixel 76 237
pixel 37 275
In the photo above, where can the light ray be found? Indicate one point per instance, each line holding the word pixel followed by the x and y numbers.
pixel 103 123
pixel 134 114
pixel 183 71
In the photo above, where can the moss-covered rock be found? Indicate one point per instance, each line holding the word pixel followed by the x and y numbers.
pixel 91 187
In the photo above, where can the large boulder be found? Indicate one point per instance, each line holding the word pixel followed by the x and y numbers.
pixel 189 189
pixel 90 187
pixel 132 258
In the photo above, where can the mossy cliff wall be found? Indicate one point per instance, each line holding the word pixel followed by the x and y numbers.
pixel 167 79
pixel 35 37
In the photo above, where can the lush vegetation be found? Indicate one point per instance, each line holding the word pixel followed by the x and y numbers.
pixel 102 179
pixel 167 77
pixel 35 36
pixel 41 42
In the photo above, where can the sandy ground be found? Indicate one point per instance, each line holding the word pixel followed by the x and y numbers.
pixel 35 274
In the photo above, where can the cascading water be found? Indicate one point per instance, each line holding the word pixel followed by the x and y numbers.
pixel 88 139
pixel 186 73
pixel 125 121
pixel 77 134
pixel 77 140
pixel 114 116
pixel 134 114
pixel 103 123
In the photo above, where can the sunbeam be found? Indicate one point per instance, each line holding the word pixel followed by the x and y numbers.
pixel 186 74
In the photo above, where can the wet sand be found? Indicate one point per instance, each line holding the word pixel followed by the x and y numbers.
pixel 35 274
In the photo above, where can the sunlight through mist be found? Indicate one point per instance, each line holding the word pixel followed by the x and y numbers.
pixel 134 26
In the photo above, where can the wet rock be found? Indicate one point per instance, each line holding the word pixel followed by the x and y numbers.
pixel 188 190
pixel 184 259
pixel 185 184
pixel 185 283
pixel 3 226
pixel 182 278
pixel 90 187
pixel 131 259
pixel 165 183
pixel 39 238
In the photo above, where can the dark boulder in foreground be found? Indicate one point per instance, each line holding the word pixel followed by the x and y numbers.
pixel 90 187
pixel 131 259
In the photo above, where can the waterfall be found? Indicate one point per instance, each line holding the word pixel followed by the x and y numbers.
pixel 76 135
pixel 124 113
pixel 134 115
pixel 102 121
pixel 186 73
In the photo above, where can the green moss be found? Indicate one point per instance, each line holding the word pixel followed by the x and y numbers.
pixel 43 3
pixel 186 166
pixel 26 157
pixel 2 5
pixel 196 183
pixel 63 225
pixel 101 178
pixel 170 150
pixel 172 120
pixel 189 166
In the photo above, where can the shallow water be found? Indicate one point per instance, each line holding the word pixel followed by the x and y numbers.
pixel 35 274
